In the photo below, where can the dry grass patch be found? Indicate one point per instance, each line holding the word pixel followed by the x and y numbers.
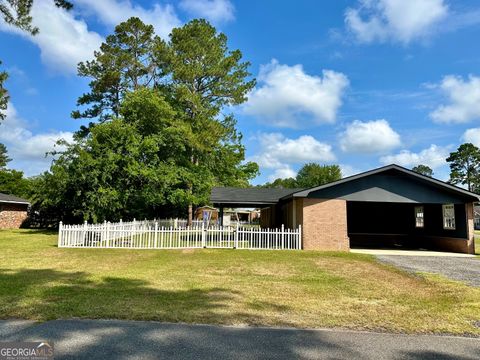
pixel 272 288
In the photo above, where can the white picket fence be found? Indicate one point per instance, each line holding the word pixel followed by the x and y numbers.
pixel 149 234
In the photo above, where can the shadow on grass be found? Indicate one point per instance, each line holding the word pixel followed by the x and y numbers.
pixel 30 231
pixel 46 294
pixel 437 355
pixel 49 294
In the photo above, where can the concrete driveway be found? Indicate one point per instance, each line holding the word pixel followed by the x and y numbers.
pixel 97 339
pixel 460 268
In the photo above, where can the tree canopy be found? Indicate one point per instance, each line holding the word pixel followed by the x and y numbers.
pixel 4 159
pixel 159 137
pixel 3 94
pixel 310 175
pixel 465 166
pixel 12 181
pixel 423 169
pixel 313 174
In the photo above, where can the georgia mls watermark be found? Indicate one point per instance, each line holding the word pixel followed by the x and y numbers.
pixel 22 350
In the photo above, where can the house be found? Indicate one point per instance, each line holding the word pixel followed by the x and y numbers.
pixel 386 207
pixel 243 216
pixel 211 214
pixel 207 213
pixel 13 211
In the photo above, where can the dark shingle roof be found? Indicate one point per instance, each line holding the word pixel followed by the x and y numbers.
pixel 5 198
pixel 248 196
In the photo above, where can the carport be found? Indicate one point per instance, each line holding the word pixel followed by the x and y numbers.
pixel 386 207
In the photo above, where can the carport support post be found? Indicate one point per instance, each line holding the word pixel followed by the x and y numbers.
pixel 221 216
pixel 469 211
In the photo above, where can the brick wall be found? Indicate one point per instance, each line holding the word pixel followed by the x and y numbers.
pixel 12 215
pixel 324 224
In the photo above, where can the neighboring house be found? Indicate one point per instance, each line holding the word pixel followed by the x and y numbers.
pixel 384 207
pixel 13 211
pixel 243 216
pixel 207 213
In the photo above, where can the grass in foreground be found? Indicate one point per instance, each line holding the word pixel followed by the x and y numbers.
pixel 477 242
pixel 271 288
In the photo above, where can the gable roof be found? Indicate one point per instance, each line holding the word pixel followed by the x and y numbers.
pixel 425 179
pixel 11 199
pixel 248 196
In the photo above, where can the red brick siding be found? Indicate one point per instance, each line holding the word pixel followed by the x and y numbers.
pixel 325 225
pixel 12 215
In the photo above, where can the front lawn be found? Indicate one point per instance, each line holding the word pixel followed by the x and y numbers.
pixel 271 288
pixel 477 242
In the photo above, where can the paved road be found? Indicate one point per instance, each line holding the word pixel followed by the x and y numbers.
pixel 97 339
pixel 455 268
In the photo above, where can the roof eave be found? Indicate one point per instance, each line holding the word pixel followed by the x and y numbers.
pixel 14 202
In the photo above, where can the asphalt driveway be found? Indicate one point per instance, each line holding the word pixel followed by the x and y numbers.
pixel 101 339
pixel 465 269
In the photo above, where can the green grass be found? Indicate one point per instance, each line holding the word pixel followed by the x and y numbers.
pixel 271 288
pixel 477 242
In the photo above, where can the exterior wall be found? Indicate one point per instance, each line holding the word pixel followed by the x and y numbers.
pixel 288 214
pixel 292 212
pixel 298 212
pixel 393 224
pixel 324 224
pixel 448 244
pixel 12 215
pixel 267 217
pixel 453 244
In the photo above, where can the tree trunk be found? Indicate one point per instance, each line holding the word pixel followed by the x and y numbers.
pixel 190 214
pixel 190 189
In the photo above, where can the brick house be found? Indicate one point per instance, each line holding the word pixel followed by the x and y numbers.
pixel 386 207
pixel 13 211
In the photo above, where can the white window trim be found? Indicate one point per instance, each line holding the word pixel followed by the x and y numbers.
pixel 445 208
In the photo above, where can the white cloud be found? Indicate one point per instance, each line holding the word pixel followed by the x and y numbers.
pixel 113 12
pixel 63 40
pixel 472 136
pixel 464 100
pixel 434 156
pixel 397 20
pixel 214 10
pixel 348 170
pixel 369 137
pixel 26 148
pixel 276 150
pixel 283 172
pixel 286 93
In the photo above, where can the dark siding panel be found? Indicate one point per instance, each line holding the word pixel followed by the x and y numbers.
pixel 392 188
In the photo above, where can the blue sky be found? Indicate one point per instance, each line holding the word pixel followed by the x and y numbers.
pixel 360 83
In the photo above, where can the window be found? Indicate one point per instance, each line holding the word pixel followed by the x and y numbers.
pixel 419 216
pixel 448 216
